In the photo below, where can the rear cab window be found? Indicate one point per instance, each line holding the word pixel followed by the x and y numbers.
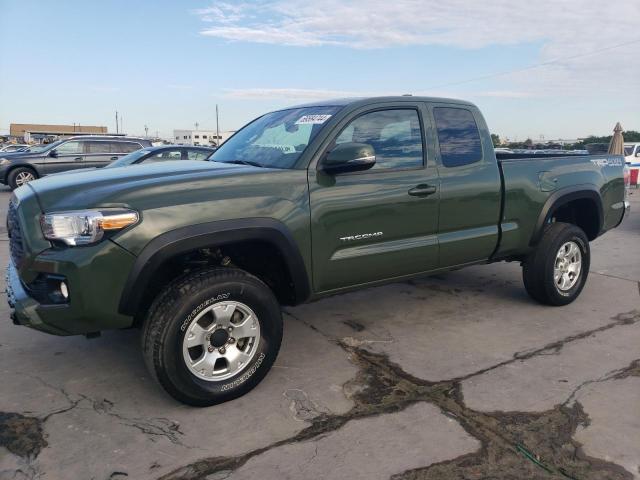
pixel 458 136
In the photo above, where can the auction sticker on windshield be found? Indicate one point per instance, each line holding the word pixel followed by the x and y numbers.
pixel 312 119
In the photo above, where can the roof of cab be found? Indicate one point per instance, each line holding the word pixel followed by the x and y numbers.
pixel 357 101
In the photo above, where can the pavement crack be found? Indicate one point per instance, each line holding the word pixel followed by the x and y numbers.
pixel 152 427
pixel 72 402
pixel 554 348
pixel 613 276
pixel 513 444
pixel 633 369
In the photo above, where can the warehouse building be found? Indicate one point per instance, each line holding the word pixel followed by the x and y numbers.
pixel 203 138
pixel 35 132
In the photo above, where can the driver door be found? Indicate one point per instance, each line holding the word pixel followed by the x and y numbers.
pixel 68 156
pixel 379 223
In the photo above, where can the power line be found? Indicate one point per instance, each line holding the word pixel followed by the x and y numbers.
pixel 537 65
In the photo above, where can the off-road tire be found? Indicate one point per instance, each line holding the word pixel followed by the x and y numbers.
pixel 13 176
pixel 165 327
pixel 538 268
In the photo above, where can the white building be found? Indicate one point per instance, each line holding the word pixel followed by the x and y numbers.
pixel 205 138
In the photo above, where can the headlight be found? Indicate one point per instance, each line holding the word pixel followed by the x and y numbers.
pixel 84 227
pixel 4 161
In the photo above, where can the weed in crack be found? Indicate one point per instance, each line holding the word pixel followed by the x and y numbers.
pixel 21 435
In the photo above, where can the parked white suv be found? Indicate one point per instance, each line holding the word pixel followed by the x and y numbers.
pixel 632 154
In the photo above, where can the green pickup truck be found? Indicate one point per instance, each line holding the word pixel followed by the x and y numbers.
pixel 301 203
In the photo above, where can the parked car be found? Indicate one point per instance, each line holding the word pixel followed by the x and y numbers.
pixel 72 153
pixel 13 147
pixel 597 148
pixel 163 153
pixel 632 154
pixel 153 155
pixel 301 203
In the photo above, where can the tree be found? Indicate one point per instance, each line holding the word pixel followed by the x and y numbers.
pixel 629 136
pixel 495 138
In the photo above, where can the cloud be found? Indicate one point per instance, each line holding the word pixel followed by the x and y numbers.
pixel 503 94
pixel 571 34
pixel 287 93
pixel 458 23
pixel 585 47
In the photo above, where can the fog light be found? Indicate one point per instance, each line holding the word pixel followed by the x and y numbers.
pixel 64 290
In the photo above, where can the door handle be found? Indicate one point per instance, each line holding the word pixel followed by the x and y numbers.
pixel 77 159
pixel 422 190
pixel 114 158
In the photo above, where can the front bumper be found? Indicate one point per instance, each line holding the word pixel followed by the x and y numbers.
pixel 95 276
pixel 24 309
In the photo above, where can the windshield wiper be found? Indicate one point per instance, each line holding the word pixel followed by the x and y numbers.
pixel 244 162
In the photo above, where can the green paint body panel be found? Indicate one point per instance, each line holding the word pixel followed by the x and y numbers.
pixel 351 230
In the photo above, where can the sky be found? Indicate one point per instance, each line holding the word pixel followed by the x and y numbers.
pixel 535 68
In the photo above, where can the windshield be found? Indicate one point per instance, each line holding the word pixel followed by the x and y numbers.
pixel 276 139
pixel 40 148
pixel 131 158
pixel 628 150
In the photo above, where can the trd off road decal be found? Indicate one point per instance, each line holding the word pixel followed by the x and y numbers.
pixel 608 162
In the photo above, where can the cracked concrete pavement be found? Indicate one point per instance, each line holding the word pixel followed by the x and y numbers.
pixel 455 376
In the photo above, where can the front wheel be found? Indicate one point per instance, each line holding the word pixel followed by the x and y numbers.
pixel 556 272
pixel 212 335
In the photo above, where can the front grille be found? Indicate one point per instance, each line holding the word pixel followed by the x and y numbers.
pixel 16 247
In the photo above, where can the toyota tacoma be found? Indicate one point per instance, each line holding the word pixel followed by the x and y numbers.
pixel 299 204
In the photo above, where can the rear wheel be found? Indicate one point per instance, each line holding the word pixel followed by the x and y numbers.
pixel 212 335
pixel 21 176
pixel 556 272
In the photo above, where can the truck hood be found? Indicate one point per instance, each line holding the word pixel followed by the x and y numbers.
pixel 120 187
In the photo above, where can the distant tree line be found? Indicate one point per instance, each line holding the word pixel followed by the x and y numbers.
pixel 629 136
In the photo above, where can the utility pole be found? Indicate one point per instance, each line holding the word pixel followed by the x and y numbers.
pixel 196 124
pixel 217 128
pixel 146 132
pixel 116 121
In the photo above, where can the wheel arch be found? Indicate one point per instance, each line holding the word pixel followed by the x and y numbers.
pixel 212 235
pixel 572 197
pixel 12 168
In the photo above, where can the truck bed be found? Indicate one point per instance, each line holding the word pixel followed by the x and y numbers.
pixel 531 183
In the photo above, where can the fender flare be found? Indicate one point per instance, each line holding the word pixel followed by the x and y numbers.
pixel 212 234
pixel 565 195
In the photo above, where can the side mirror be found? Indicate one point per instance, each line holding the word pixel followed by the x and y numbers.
pixel 349 157
pixel 53 153
pixel 638 155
